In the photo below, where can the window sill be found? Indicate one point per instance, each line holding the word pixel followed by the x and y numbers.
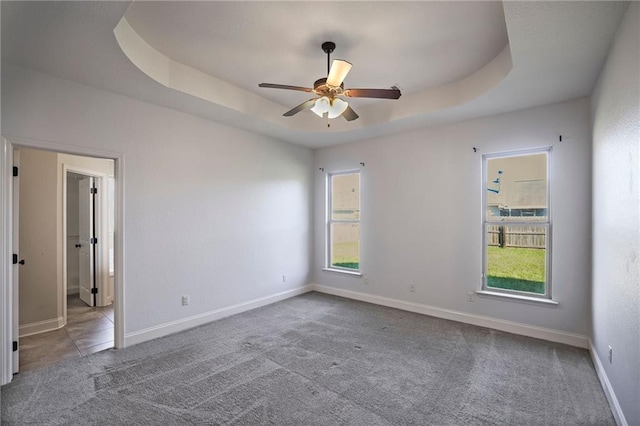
pixel 340 271
pixel 518 298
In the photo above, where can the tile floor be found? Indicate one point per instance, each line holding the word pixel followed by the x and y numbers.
pixel 88 330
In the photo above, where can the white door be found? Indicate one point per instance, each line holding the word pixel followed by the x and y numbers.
pixel 17 262
pixel 87 244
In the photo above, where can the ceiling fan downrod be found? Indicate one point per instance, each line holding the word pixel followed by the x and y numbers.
pixel 328 47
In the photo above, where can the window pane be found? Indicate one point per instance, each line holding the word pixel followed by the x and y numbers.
pixel 345 245
pixel 516 257
pixel 345 197
pixel 517 188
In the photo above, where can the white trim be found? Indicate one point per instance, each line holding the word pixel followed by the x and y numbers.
pixel 60 148
pixel 343 271
pixel 548 223
pixel 479 320
pixel 330 221
pixel 41 326
pixel 204 318
pixel 118 253
pixel 518 298
pixel 6 266
pixel 616 410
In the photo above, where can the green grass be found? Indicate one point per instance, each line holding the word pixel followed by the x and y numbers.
pixel 345 255
pixel 512 268
pixel 350 265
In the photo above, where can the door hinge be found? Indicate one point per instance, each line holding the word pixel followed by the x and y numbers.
pixel 94 240
pixel 15 346
pixel 15 171
pixel 15 259
pixel 94 290
pixel 94 190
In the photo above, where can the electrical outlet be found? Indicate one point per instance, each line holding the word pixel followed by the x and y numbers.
pixel 610 354
pixel 185 300
pixel 365 280
pixel 470 296
pixel 284 278
pixel 412 288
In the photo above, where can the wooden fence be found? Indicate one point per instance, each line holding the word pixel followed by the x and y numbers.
pixel 517 236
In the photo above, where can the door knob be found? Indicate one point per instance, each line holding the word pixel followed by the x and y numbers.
pixel 78 245
pixel 21 262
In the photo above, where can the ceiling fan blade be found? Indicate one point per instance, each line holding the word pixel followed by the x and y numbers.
pixel 373 93
pixel 349 114
pixel 305 105
pixel 337 73
pixel 284 86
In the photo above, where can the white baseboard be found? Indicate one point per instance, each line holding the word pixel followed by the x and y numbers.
pixel 479 320
pixel 606 386
pixel 196 320
pixel 41 326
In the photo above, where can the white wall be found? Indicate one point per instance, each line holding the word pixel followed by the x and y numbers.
pixel 211 211
pixel 421 213
pixel 38 228
pixel 616 215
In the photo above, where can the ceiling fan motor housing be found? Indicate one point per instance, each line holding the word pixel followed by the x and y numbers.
pixel 321 88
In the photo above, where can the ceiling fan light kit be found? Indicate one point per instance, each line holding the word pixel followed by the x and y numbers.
pixel 330 89
pixel 332 107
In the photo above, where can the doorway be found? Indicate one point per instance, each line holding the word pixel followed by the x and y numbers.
pixel 85 324
pixel 82 324
pixel 88 220
pixel 81 232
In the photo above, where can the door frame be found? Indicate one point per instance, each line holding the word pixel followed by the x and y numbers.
pixel 101 232
pixel 7 144
pixel 15 279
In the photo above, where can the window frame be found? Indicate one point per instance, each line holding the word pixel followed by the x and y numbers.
pixel 548 225
pixel 330 221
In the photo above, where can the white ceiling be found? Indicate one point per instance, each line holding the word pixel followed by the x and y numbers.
pixel 247 43
pixel 449 58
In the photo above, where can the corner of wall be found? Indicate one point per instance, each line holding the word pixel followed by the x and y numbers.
pixel 606 386
pixel 557 336
pixel 182 324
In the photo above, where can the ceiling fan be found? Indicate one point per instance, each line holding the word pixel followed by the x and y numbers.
pixel 330 90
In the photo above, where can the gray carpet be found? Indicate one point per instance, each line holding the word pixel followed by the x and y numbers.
pixel 319 360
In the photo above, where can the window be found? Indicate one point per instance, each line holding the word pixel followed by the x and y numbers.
pixel 343 227
pixel 516 223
